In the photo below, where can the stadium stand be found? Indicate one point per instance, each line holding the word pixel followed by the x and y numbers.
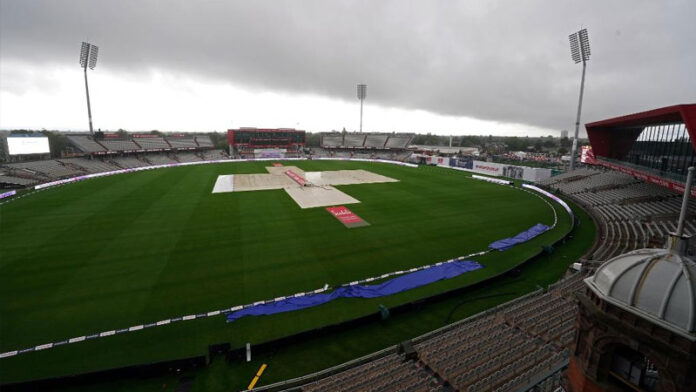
pixel 393 155
pixel 375 140
pixel 17 181
pixel 128 162
pixel 22 174
pixel 90 165
pixel 182 142
pixel 366 140
pixel 398 141
pixel 85 144
pixel 213 155
pixel 158 159
pixel 354 140
pixel 204 141
pixel 119 145
pixel 364 146
pixel 48 168
pixel 187 157
pixel 393 371
pixel 632 214
pixel 152 143
pixel 332 140
pixel 513 347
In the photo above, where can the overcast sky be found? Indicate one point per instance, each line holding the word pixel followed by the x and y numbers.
pixel 448 67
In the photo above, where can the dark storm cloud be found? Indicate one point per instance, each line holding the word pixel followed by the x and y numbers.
pixel 504 61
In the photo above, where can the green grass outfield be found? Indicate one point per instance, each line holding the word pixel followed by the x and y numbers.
pixel 118 251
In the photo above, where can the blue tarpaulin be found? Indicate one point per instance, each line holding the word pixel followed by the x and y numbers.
pixel 524 236
pixel 392 286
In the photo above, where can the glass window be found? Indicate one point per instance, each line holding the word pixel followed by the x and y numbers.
pixel 665 148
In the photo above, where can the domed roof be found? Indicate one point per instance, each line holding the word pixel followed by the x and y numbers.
pixel 656 284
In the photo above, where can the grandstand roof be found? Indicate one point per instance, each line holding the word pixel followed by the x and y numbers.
pixel 655 284
pixel 613 137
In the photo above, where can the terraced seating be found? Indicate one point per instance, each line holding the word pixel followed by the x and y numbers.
pixel 398 141
pixel 354 140
pixel 129 162
pixel 631 214
pixel 501 350
pixel 568 286
pixel 120 145
pixel 585 183
pixel 375 140
pixel 19 181
pixel 204 141
pixel 85 143
pixel 332 140
pixel 575 175
pixel 526 376
pixel 159 159
pixel 29 173
pixel 90 165
pixel 187 157
pixel 212 155
pixel 49 168
pixel 181 142
pixel 152 143
pixel 392 372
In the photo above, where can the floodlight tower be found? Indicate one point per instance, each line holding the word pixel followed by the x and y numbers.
pixel 362 93
pixel 580 51
pixel 88 58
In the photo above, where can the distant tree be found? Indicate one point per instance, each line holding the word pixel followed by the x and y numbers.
pixel 565 142
pixel 312 139
pixel 562 151
pixel 57 142
pixel 219 140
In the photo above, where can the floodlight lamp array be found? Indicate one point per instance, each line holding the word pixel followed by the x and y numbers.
pixel 585 44
pixel 84 54
pixel 93 52
pixel 88 55
pixel 579 46
pixel 362 91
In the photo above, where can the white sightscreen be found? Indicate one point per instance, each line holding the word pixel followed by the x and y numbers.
pixel 27 145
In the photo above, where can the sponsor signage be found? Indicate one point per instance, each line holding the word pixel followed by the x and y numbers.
pixel 502 170
pixel 347 217
pixel 7 194
pixel 145 135
pixel 486 168
pixel 296 177
pixel 587 155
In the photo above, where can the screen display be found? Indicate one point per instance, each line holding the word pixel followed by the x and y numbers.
pixel 27 145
